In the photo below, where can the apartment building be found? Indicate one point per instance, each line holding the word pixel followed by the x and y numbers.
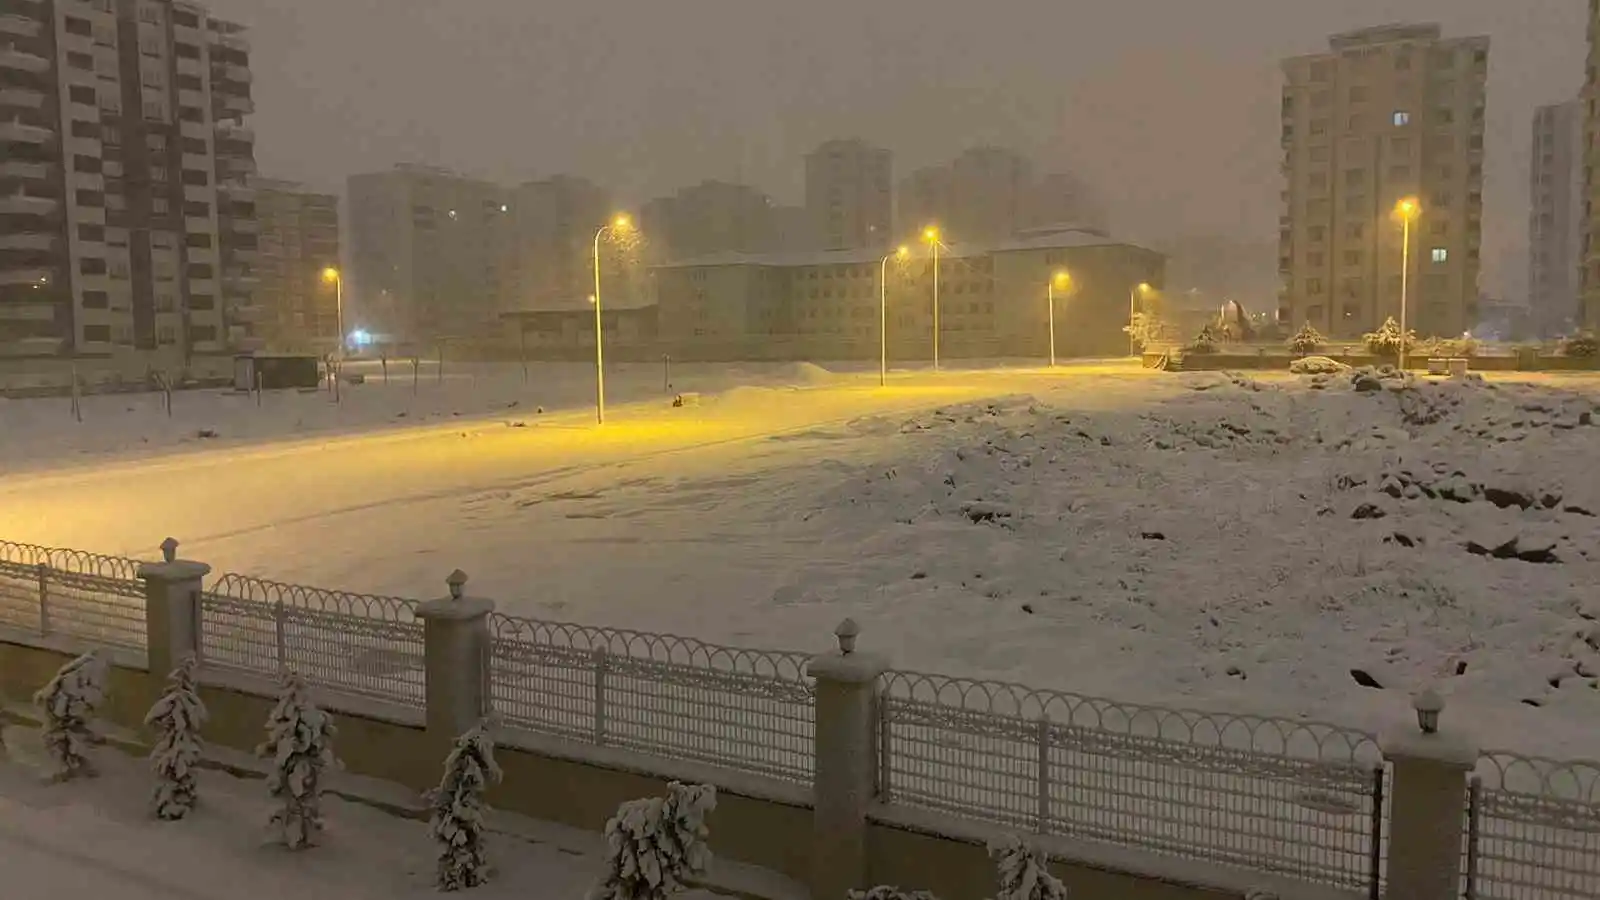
pixel 121 132
pixel 1555 219
pixel 299 242
pixel 430 254
pixel 554 221
pixel 981 195
pixel 1387 113
pixel 709 217
pixel 1589 280
pixel 848 187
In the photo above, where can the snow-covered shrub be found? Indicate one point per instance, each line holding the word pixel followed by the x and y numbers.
pixel 68 703
pixel 1146 329
pixel 1204 342
pixel 1387 341
pixel 1583 346
pixel 300 745
pixel 1459 348
pixel 1306 341
pixel 1024 872
pixel 654 844
pixel 457 825
pixel 884 892
pixel 1317 365
pixel 176 717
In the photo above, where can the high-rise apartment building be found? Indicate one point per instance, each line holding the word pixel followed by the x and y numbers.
pixel 554 222
pixel 430 254
pixel 298 306
pixel 1555 221
pixel 849 195
pixel 1388 113
pixel 125 228
pixel 982 195
pixel 1589 281
pixel 710 217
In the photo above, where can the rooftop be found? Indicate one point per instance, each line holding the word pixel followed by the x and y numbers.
pixel 1049 238
pixel 1385 34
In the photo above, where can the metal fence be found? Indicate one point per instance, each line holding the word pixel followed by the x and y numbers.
pixel 360 644
pixel 1299 799
pixel 1533 829
pixel 69 593
pixel 750 710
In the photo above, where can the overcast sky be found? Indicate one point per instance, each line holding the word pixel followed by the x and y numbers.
pixel 1170 107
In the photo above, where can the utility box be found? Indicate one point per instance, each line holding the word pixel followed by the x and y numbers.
pixel 276 372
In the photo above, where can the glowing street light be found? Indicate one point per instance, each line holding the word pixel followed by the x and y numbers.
pixel 1408 210
pixel 883 313
pixel 334 277
pixel 931 235
pixel 1064 281
pixel 1142 289
pixel 617 226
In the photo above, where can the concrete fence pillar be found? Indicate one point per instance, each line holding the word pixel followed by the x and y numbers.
pixel 172 590
pixel 845 782
pixel 456 647
pixel 1428 802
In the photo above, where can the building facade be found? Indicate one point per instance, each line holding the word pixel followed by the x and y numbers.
pixel 983 195
pixel 127 231
pixel 299 306
pixel 1555 220
pixel 1387 113
pixel 709 217
pixel 554 222
pixel 430 255
pixel 1589 279
pixel 849 195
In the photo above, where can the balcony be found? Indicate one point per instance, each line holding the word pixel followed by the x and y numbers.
pixel 25 205
pixel 237 74
pixel 33 171
pixel 236 189
pixel 24 275
pixel 246 312
pixel 21 25
pixel 235 167
pixel 241 226
pixel 21 98
pixel 41 310
pixel 239 278
pixel 28 240
pixel 231 41
pixel 243 106
pixel 231 131
pixel 22 133
pixel 12 58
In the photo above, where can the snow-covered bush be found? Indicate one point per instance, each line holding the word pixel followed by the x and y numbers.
pixel 1386 341
pixel 1024 872
pixel 884 892
pixel 1204 342
pixel 300 745
pixel 1459 348
pixel 68 703
pixel 654 844
pixel 1583 346
pixel 457 825
pixel 1146 329
pixel 1317 365
pixel 176 717
pixel 1306 341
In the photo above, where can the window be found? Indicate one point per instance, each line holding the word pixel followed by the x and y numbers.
pixel 160 206
pixel 81 61
pixel 1358 122
pixel 1444 116
pixel 91 233
pixel 96 300
pixel 154 111
pixel 191 114
pixel 1319 154
pixel 90 198
pixel 1440 254
pixel 1313 286
pixel 1352 257
pixel 1354 230
pixel 80 27
pixel 184 19
pixel 1399 173
pixel 150 48
pixel 1320 71
pixel 119 269
pixel 1355 204
pixel 1401 118
pixel 196 209
pixel 1440 227
pixel 164 303
pixel 1319 126
pixel 195 177
pixel 97 334
pixel 194 145
pixel 1355 177
pixel 189 82
pixel 202 301
pixel 165 335
pixel 198 240
pixel 201 270
pixel 150 13
pixel 1400 145
pixel 1314 258
pixel 1316 233
pixel 1318 180
pixel 200 333
pixel 80 93
pixel 1320 99
pixel 186 51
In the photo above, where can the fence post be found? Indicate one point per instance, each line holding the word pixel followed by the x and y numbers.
pixel 602 663
pixel 44 598
pixel 172 608
pixel 1428 805
pixel 1043 739
pixel 456 652
pixel 844 785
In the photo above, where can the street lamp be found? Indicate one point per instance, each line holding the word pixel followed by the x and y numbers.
pixel 931 235
pixel 618 225
pixel 1408 209
pixel 334 277
pixel 883 313
pixel 1062 279
pixel 1141 289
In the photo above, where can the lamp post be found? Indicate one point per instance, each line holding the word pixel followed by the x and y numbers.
pixel 336 278
pixel 615 226
pixel 883 313
pixel 931 235
pixel 1139 290
pixel 1408 209
pixel 1065 281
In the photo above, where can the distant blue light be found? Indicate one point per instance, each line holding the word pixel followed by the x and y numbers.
pixel 360 337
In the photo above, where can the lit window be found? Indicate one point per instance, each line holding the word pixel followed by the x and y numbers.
pixel 1401 117
pixel 1440 255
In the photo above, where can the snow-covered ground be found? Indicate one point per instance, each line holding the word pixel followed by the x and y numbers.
pixel 1270 545
pixel 95 840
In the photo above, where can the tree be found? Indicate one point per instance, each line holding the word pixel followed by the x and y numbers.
pixel 68 703
pixel 1387 341
pixel 1147 329
pixel 653 845
pixel 177 717
pixel 457 824
pixel 300 745
pixel 1306 341
pixel 1024 872
pixel 1583 346
pixel 1204 342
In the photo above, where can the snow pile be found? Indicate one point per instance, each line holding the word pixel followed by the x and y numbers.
pixel 885 892
pixel 68 703
pixel 457 825
pixel 300 745
pixel 1024 872
pixel 1317 365
pixel 655 844
pixel 176 717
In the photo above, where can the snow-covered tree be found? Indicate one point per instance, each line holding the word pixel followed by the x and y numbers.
pixel 176 718
pixel 68 703
pixel 457 824
pixel 1306 341
pixel 654 844
pixel 1206 341
pixel 300 745
pixel 1387 340
pixel 1024 872
pixel 884 892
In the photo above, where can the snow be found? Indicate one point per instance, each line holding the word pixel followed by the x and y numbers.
pixel 94 839
pixel 1188 540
